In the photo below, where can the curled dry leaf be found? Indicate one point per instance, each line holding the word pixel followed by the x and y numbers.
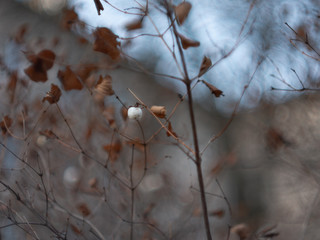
pixel 53 95
pixel 182 11
pixel 170 130
pixel 159 111
pixel 242 230
pixel 69 18
pixel 106 42
pixel 69 80
pixel 40 64
pixel 5 123
pixel 104 86
pixel 186 42
pixel 83 209
pixel 217 92
pixel 205 65
pixel 99 6
pixel 136 24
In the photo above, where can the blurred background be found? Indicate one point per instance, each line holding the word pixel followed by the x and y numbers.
pixel 261 174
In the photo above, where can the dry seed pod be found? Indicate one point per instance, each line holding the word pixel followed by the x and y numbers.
pixel 104 86
pixel 159 111
pixel 182 11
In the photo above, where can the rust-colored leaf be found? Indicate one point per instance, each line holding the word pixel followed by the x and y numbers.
pixel 12 84
pixel 5 123
pixel 69 80
pixel 170 130
pixel 41 63
pixel 205 65
pixel 187 42
pixel 69 18
pixel 106 42
pixel 217 92
pixel 83 209
pixel 242 230
pixel 104 86
pixel 113 150
pixel 217 213
pixel 182 11
pixel 159 111
pixel 75 229
pixel 19 37
pixel 134 25
pixel 53 95
pixel 124 113
pixel 99 6
pixel 84 71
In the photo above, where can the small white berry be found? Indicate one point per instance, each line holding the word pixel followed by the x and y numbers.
pixel 41 140
pixel 135 113
pixel 71 177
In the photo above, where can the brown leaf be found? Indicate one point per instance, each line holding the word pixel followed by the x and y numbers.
pixel 83 209
pixel 213 89
pixel 99 6
pixel 104 86
pixel 19 37
pixel 159 111
pixel 12 84
pixel 124 113
pixel 69 18
pixel 69 80
pixel 41 63
pixel 186 42
pixel 218 213
pixel 113 150
pixel 171 131
pixel 242 230
pixel 5 123
pixel 182 11
pixel 84 71
pixel 75 229
pixel 106 42
pixel 136 24
pixel 205 65
pixel 53 95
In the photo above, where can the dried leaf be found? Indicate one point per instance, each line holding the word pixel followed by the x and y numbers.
pixel 84 71
pixel 136 24
pixel 12 84
pixel 83 208
pixel 99 6
pixel 242 230
pixel 75 229
pixel 93 182
pixel 69 18
pixel 205 65
pixel 5 123
pixel 182 11
pixel 186 42
pixel 217 92
pixel 53 95
pixel 171 131
pixel 106 42
pixel 218 213
pixel 41 63
pixel 19 37
pixel 113 150
pixel 69 80
pixel 104 86
pixel 124 113
pixel 159 111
